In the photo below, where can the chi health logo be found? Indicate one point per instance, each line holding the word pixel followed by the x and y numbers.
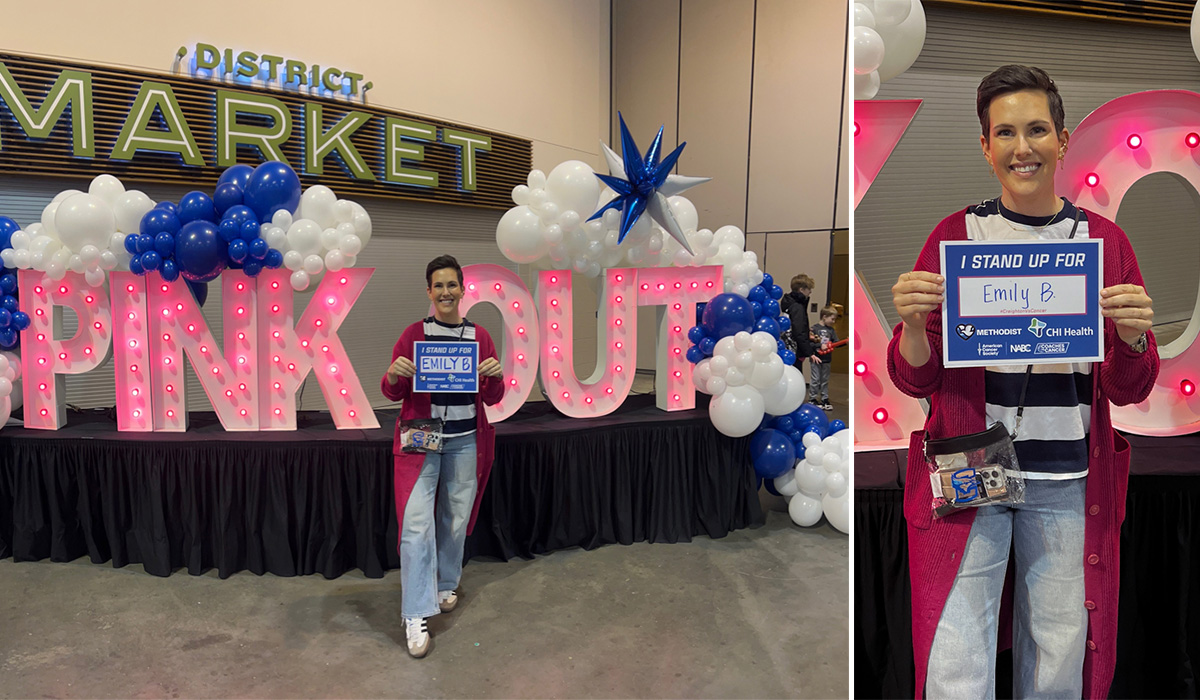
pixel 1036 327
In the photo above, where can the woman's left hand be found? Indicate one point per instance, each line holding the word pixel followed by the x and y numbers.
pixel 490 367
pixel 1130 308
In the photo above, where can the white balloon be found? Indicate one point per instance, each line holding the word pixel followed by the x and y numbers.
pixel 329 239
pixel 736 412
pixel 786 395
pixel 831 461
pixel 3 363
pixel 108 260
pixel 520 195
pixel 786 484
pixel 21 259
pixel 741 289
pixel 90 254
pixel 106 187
pixel 837 511
pixel 570 220
pixel 716 386
pixel 277 237
pixel 718 364
pixel 56 270
pixel 334 260
pixel 810 478
pixel 863 17
pixel 573 185
pixel 548 212
pixel 889 13
pixel 293 260
pixel 832 444
pixel 762 346
pixel 283 217
pixel 362 222
pixel 299 280
pixel 805 511
pixel 94 277
pixel 317 203
pixel 349 260
pixel 48 217
pixel 129 208
pixel 768 373
pixel 866 86
pixel 350 245
pixel 815 454
pixel 304 236
pixel 554 234
pixel 63 195
pixel 736 377
pixel 39 260
pixel 536 179
pixel 6 256
pixel 19 240
pixel 701 374
pixel 313 264
pixel 684 212
pixel 744 361
pixel 519 235
pixel 75 264
pixel 904 42
pixel 835 484
pixel 726 347
pixel 5 387
pixel 743 341
pixel 868 50
pixel 82 219
pixel 732 235
pixel 810 440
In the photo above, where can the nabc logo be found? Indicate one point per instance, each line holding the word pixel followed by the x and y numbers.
pixel 1019 347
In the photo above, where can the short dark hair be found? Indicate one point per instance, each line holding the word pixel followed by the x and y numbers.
pixel 829 311
pixel 1014 78
pixel 802 280
pixel 442 262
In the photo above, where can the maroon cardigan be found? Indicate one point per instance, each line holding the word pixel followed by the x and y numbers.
pixel 417 405
pixel 956 407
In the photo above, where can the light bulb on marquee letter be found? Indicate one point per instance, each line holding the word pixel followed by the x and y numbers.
pixel 177 326
pixel 131 362
pixel 287 353
pixel 518 350
pixel 616 351
pixel 672 290
pixel 48 359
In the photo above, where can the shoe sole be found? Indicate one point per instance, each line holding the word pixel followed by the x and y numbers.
pixel 419 653
pixel 447 607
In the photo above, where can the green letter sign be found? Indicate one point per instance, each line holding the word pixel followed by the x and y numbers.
pixel 72 88
pixel 137 135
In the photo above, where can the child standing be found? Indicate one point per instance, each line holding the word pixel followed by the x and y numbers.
pixel 824 337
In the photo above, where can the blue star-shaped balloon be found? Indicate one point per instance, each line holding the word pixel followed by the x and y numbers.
pixel 643 184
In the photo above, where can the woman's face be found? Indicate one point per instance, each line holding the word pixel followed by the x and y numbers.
pixel 445 292
pixel 1023 148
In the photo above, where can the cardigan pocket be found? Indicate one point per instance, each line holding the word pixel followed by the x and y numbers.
pixel 1120 473
pixel 918 494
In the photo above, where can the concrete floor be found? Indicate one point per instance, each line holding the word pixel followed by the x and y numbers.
pixel 760 613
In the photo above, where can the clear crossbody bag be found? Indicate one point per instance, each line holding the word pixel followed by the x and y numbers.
pixel 421 435
pixel 980 469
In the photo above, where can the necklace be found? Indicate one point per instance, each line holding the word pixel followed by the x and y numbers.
pixel 1036 227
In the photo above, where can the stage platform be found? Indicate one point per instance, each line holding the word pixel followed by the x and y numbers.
pixel 320 500
pixel 1158 638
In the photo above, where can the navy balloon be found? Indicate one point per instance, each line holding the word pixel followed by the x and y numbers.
pixel 8 338
pixel 767 280
pixel 788 357
pixel 199 290
pixel 230 231
pixel 196 206
pixel 167 206
pixel 784 423
pixel 20 320
pixel 776 292
pixel 809 414
pixel 164 244
pixel 157 221
pixel 707 345
pixel 150 260
pixel 200 252
pixel 272 186
pixel 726 315
pixel 757 293
pixel 836 426
pixel 238 250
pixel 226 196
pixel 253 267
pixel 259 249
pixel 757 308
pixel 771 308
pixel 250 230
pixel 772 452
pixel 766 324
pixel 694 355
pixel 9 303
pixel 696 334
pixel 700 306
pixel 8 283
pixel 785 323
pixel 274 259
pixel 168 270
pixel 135 265
pixel 131 243
pixel 238 175
pixel 7 228
pixel 5 318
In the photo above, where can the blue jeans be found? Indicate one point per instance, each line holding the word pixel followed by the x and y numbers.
pixel 1049 619
pixel 431 540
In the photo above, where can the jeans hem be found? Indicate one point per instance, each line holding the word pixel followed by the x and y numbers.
pixel 437 611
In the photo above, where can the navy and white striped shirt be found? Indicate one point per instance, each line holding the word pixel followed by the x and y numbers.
pixel 1053 439
pixel 457 409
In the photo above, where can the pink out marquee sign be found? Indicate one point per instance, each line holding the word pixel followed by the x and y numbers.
pixel 152 327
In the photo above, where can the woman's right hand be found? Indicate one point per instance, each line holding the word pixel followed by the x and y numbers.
pixel 402 367
pixel 917 293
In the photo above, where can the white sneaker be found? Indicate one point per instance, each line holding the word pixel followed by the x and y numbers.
pixel 447 600
pixel 417 631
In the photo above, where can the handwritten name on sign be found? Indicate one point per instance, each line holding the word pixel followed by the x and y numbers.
pixel 1022 302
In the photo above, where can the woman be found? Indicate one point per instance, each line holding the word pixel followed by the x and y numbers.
pixel 432 538
pixel 1065 535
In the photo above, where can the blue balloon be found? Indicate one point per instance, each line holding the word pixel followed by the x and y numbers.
pixel 5 318
pixel 694 355
pixel 784 423
pixel 801 450
pixel 274 259
pixel 788 357
pixel 9 303
pixel 700 306
pixel 796 437
pixel 150 260
pixel 131 243
pixel 757 293
pixel 772 452
pixel 8 338
pixel 836 426
pixel 776 292
pixel 696 334
pixel 766 422
pixel 164 244
pixel 168 270
pixel 199 291
pixel 250 230
pixel 808 414
pixel 226 196
pixel 757 308
pixel 252 268
pixel 259 249
pixel 726 315
pixel 20 320
pixel 238 250
pixel 707 345
pixel 200 252
pixel 272 186
pixel 767 280
pixel 766 324
pixel 135 265
pixel 145 242
pixel 230 231
pixel 771 308
pixel 7 228
pixel 785 323
pixel 8 283
pixel 168 206
pixel 196 206
pixel 157 221
pixel 769 484
pixel 239 215
pixel 236 175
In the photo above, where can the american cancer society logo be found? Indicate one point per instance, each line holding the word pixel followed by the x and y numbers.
pixel 1036 327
